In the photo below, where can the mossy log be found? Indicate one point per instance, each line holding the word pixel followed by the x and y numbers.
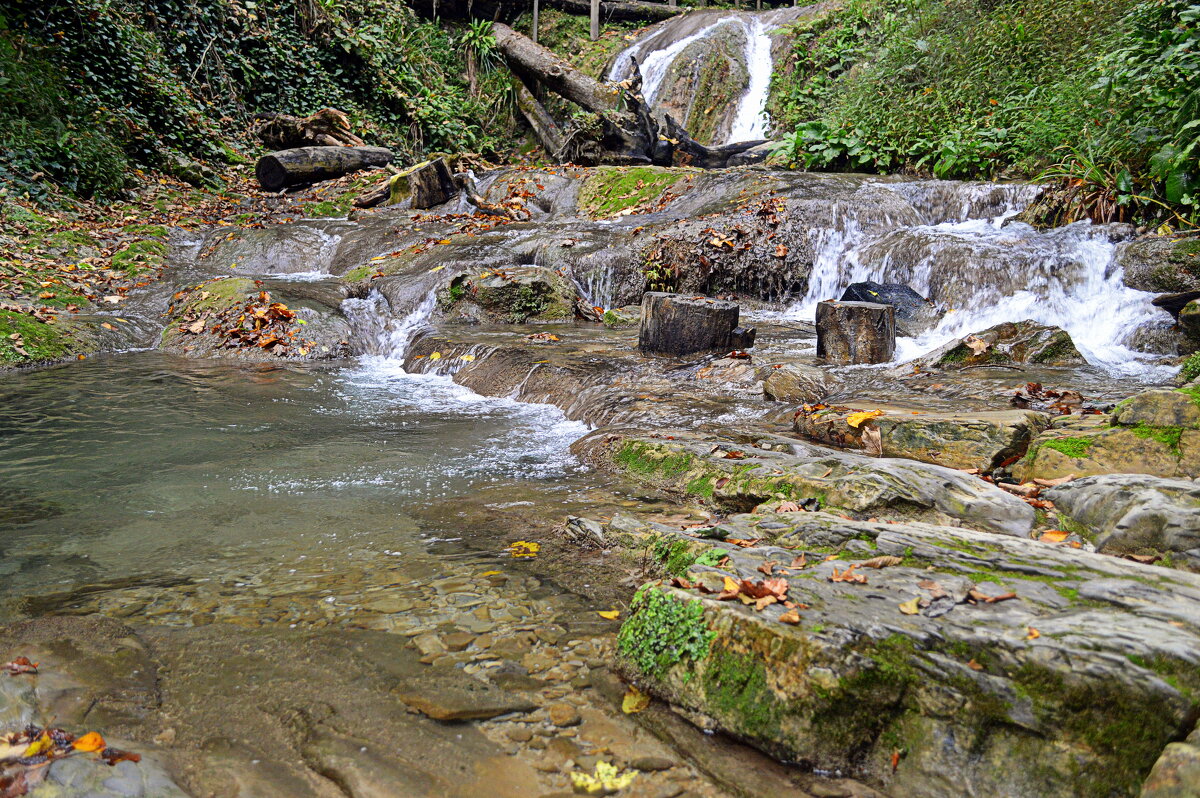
pixel 285 168
pixel 855 332
pixel 426 184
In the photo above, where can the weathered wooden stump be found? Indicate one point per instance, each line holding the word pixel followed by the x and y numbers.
pixel 427 184
pixel 278 170
pixel 855 332
pixel 680 325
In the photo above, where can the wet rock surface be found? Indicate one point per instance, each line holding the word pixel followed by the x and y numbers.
pixel 959 649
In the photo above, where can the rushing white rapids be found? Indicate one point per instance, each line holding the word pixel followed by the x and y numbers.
pixel 750 124
pixel 984 269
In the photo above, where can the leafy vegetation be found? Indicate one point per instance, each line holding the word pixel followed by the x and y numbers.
pixel 162 83
pixel 1101 98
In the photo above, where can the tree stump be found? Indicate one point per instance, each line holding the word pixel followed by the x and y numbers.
pixel 855 332
pixel 428 183
pixel 278 170
pixel 680 325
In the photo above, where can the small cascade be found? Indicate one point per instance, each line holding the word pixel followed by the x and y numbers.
pixel 984 269
pixel 377 332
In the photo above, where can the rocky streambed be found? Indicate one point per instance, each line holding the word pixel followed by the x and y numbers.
pixel 370 495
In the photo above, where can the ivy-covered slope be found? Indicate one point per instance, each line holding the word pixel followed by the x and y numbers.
pixel 90 89
pixel 1102 96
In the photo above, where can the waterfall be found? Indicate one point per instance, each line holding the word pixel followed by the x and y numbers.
pixel 750 123
pixel 984 269
pixel 377 332
pixel 658 51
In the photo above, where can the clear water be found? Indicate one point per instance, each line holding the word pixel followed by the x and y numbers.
pixel 141 464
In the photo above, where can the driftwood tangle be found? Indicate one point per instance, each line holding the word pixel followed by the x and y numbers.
pixel 618 129
pixel 855 332
pixel 279 170
pixel 328 127
pixel 681 325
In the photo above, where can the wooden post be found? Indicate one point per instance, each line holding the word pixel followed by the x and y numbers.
pixel 535 22
pixel 595 19
pixel 673 3
pixel 855 332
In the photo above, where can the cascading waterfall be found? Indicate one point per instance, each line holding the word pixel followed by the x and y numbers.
pixel 657 52
pixel 750 124
pixel 985 269
pixel 377 332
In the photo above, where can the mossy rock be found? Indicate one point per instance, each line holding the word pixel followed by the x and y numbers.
pixel 514 295
pixel 1007 344
pixel 1161 265
pixel 1098 445
pixel 38 342
pixel 609 190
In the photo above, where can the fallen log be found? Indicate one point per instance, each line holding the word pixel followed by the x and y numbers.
pixel 328 127
pixel 689 152
pixel 426 184
pixel 279 170
pixel 622 10
pixel 543 125
pixel 613 10
pixel 855 332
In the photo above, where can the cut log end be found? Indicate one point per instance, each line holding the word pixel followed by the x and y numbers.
pixel 284 168
pixel 683 325
pixel 855 332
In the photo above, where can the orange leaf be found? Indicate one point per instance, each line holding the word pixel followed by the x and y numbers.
pixel 1054 536
pixel 92 741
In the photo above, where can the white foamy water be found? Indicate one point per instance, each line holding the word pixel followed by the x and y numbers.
pixel 988 270
pixel 750 124
pixel 658 52
pixel 532 441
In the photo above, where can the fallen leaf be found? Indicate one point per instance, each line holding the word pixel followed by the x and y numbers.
pixel 610 615
pixel 791 616
pixel 977 345
pixel 435 356
pixel 848 575
pixel 935 590
pixel 911 607
pixel 108 326
pixel 881 562
pixel 1033 634
pixel 524 548
pixel 788 507
pixel 468 358
pixel 604 780
pixel 634 701
pixel 112 756
pixel 800 562
pixel 1054 536
pixel 855 419
pixel 895 759
pixel 92 741
pixel 39 746
pixel 973 665
pixel 872 442
pixel 781 251
pixel 20 665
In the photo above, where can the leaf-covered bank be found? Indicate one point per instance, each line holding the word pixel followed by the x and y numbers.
pixel 1100 96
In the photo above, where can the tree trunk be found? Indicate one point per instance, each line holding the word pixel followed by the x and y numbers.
pixel 681 325
pixel 621 10
pixel 619 130
pixel 536 3
pixel 594 17
pixel 535 64
pixel 855 332
pixel 427 184
pixel 279 170
pixel 544 126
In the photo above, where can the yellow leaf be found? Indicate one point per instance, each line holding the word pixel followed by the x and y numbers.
pixel 380 257
pixel 40 745
pixel 524 548
pixel 444 241
pixel 1034 634
pixel 491 573
pixel 731 586
pixel 467 358
pixel 603 781
pixel 634 701
pixel 854 419
pixel 911 607
pixel 436 356
pixel 437 268
pixel 611 615
pixel 92 741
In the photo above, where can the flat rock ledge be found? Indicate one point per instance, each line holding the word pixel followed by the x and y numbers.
pixel 1073 686
pixel 738 474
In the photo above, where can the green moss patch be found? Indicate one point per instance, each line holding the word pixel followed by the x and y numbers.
pixel 139 256
pixel 612 189
pixel 37 342
pixel 1071 447
pixel 1167 436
